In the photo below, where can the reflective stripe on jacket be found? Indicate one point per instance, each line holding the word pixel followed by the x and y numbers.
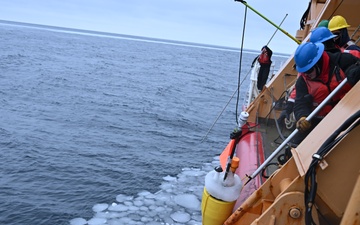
pixel 353 52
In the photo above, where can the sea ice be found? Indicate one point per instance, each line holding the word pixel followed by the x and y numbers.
pixel 97 221
pixel 118 208
pixel 180 217
pixel 100 207
pixel 122 198
pixel 177 202
pixel 138 203
pixel 188 201
pixel 169 178
pixel 166 187
pixel 78 221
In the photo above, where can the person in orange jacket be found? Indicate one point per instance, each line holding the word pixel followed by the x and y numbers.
pixel 321 72
pixel 320 34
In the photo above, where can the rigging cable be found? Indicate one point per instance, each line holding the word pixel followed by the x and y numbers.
pixel 238 88
pixel 240 63
pixel 217 118
pixel 276 30
pixel 274 115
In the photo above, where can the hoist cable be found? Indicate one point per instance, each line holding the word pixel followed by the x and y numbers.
pixel 240 63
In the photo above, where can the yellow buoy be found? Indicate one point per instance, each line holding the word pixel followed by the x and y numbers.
pixel 214 211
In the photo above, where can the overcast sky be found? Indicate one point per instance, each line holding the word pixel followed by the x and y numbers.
pixel 216 22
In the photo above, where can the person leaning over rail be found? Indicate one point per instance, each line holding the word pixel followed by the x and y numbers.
pixel 265 62
pixel 321 34
pixel 338 26
pixel 316 82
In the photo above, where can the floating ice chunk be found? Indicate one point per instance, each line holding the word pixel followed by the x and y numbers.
pixel 155 223
pixel 118 208
pixel 188 201
pixel 78 221
pixel 166 187
pixel 134 216
pixel 100 207
pixel 145 219
pixel 151 213
pixel 150 196
pixel 144 193
pixel 102 215
pixel 169 178
pixel 180 217
pixel 159 209
pixel 138 203
pixel 193 172
pixel 163 198
pixel 109 215
pixel 128 203
pixel 122 198
pixel 126 221
pixel 144 208
pixel 169 221
pixel 115 222
pixel 97 221
pixel 149 202
pixel 133 208
pixel 152 207
pixel 194 222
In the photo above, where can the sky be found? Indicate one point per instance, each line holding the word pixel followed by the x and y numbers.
pixel 214 22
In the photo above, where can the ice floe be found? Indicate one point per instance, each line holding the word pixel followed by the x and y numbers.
pixel 177 202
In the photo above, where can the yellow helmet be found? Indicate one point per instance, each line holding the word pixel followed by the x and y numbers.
pixel 337 23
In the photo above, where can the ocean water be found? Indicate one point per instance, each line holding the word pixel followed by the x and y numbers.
pixel 87 118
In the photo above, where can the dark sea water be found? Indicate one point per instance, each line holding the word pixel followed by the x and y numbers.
pixel 84 118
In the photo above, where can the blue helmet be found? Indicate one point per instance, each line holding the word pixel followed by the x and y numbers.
pixel 307 55
pixel 321 34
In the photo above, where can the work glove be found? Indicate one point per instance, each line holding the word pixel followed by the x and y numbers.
pixel 302 124
pixel 353 73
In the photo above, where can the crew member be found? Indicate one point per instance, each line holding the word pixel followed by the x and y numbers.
pixel 338 26
pixel 316 82
pixel 265 62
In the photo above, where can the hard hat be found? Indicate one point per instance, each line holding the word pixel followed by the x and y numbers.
pixel 337 23
pixel 307 55
pixel 323 23
pixel 321 34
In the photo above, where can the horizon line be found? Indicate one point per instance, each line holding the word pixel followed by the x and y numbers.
pixel 130 37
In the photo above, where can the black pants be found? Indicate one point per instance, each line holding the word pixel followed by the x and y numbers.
pixel 263 75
